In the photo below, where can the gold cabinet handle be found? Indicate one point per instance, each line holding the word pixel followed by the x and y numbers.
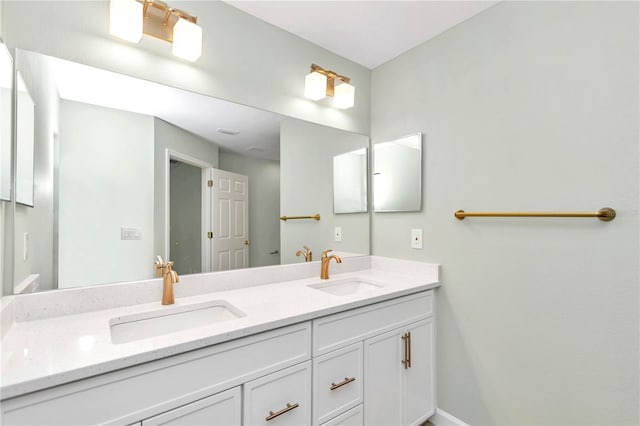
pixel 346 381
pixel 288 408
pixel 407 350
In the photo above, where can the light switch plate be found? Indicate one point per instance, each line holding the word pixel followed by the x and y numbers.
pixel 130 233
pixel 338 234
pixel 416 238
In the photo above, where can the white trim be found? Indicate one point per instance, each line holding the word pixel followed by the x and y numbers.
pixel 169 154
pixel 29 285
pixel 442 418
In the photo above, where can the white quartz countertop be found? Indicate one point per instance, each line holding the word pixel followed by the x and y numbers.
pixel 63 344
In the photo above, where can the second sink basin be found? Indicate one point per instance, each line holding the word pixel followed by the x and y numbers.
pixel 345 286
pixel 134 327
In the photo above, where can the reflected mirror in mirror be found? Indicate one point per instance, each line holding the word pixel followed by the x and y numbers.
pixel 104 145
pixel 350 182
pixel 6 87
pixel 25 143
pixel 397 174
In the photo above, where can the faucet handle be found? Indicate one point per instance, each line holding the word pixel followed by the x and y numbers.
pixel 160 266
pixel 324 253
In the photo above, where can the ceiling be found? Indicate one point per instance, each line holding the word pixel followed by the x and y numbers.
pixel 366 32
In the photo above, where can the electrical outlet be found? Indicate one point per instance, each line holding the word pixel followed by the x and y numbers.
pixel 416 238
pixel 338 234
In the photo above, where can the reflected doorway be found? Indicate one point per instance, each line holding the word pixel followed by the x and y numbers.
pixel 207 227
pixel 185 210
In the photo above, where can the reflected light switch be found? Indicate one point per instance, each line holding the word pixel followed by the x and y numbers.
pixel 130 233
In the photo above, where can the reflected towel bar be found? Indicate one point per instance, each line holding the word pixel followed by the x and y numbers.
pixel 285 218
pixel 605 214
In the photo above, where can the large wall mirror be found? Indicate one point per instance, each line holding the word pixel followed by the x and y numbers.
pixel 6 118
pixel 397 174
pixel 127 169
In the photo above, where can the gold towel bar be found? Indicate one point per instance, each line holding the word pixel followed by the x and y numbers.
pixel 605 214
pixel 285 218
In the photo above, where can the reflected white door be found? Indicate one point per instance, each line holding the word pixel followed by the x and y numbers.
pixel 229 220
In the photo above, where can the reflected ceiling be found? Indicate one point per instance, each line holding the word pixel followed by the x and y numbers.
pixel 207 117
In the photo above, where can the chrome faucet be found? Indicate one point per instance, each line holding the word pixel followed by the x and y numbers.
pixel 170 277
pixel 306 252
pixel 324 271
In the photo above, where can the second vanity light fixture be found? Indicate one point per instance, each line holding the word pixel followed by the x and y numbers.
pixel 129 19
pixel 320 83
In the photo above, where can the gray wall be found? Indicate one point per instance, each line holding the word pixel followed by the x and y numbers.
pixel 95 201
pixel 168 136
pixel 527 106
pixel 306 188
pixel 264 204
pixel 244 59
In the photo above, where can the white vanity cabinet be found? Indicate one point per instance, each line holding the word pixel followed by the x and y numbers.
pixel 391 358
pixel 345 369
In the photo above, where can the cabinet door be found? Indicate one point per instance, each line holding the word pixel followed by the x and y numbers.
pixel 397 392
pixel 418 384
pixel 222 409
pixel 281 398
pixel 383 379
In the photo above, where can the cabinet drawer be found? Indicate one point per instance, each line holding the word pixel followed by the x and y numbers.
pixel 161 385
pixel 221 409
pixel 336 331
pixel 282 398
pixel 353 417
pixel 337 382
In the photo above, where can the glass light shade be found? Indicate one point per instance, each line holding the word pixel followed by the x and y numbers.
pixel 315 86
pixel 343 95
pixel 187 40
pixel 125 20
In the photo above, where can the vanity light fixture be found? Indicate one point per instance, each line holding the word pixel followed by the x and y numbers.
pixel 320 83
pixel 129 19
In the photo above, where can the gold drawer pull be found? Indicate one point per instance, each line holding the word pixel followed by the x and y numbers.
pixel 289 407
pixel 407 350
pixel 345 382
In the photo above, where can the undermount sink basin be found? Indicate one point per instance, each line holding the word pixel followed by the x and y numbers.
pixel 134 327
pixel 346 286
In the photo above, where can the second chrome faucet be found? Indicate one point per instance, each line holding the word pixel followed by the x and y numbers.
pixel 324 270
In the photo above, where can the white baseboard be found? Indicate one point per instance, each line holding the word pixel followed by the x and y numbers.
pixel 442 418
